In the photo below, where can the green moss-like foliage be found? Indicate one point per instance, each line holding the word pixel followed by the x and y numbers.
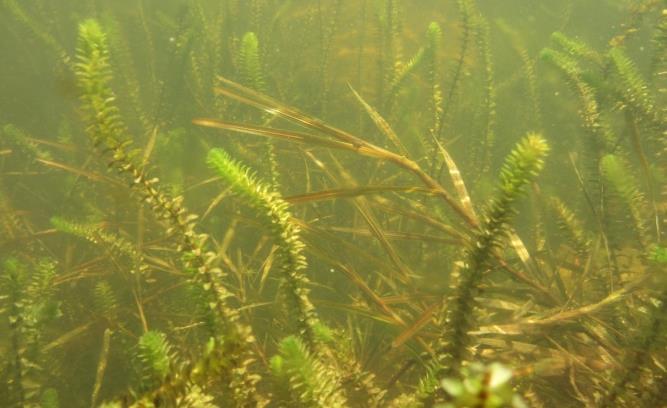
pixel 521 166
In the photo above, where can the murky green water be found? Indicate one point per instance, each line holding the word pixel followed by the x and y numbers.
pixel 323 203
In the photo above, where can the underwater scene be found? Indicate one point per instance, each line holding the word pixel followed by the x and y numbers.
pixel 333 203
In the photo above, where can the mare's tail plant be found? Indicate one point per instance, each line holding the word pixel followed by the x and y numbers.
pixel 108 133
pixel 311 361
pixel 273 210
pixel 520 168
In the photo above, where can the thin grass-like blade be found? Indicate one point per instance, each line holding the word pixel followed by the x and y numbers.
pixel 415 327
pixel 457 180
pixel 353 192
pixel 79 172
pixel 381 123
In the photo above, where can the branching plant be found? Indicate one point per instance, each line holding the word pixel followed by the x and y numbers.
pixel 274 204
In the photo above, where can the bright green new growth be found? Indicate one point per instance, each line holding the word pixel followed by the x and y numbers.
pixel 658 254
pixel 309 380
pixel 274 211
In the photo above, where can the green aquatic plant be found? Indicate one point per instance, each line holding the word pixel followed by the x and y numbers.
pixel 482 387
pixel 330 21
pixel 529 73
pixel 107 131
pixel 30 306
pixel 421 287
pixel 155 359
pixel 318 343
pixel 106 301
pixel 250 64
pixel 576 48
pixel 642 379
pixel 658 254
pixel 571 226
pixel 252 75
pixel 36 28
pixel 467 9
pixel 124 67
pixel 274 211
pixel 401 75
pixel 520 168
pixel 96 235
pixel 633 88
pixel 433 71
pixel 602 138
pixel 49 399
pixel 619 176
pixel 389 14
pixel 309 382
pixel 20 140
pixel 489 104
